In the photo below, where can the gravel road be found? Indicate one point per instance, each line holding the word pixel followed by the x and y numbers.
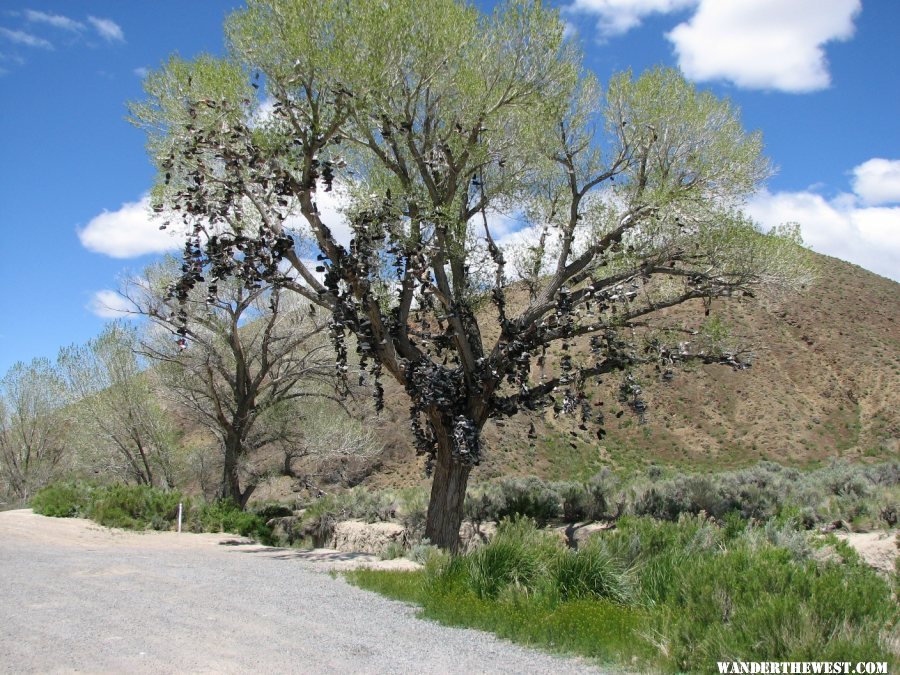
pixel 77 597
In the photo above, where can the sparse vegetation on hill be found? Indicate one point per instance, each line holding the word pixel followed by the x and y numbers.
pixel 826 385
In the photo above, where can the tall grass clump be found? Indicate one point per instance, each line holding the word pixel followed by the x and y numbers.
pixel 517 559
pixel 671 596
pixel 591 572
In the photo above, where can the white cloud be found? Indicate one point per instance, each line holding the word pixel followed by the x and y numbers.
pixel 763 44
pixel 840 227
pixel 22 38
pixel 877 181
pixel 619 16
pixel 131 231
pixel 55 20
pixel 108 29
pixel 108 304
pixel 330 206
pixel 141 72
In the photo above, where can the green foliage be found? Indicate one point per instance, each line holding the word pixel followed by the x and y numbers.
pixel 590 572
pixel 517 559
pixel 393 551
pixel 669 596
pixel 226 516
pixel 529 497
pixel 63 500
pixel 271 510
pixel 142 507
pixel 135 507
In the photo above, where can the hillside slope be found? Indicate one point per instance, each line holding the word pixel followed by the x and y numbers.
pixel 825 383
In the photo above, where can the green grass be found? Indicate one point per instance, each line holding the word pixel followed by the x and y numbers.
pixel 662 596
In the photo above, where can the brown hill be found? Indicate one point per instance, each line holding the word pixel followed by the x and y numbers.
pixel 825 383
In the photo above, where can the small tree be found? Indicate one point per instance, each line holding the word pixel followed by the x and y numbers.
pixel 32 426
pixel 322 431
pixel 231 356
pixel 126 432
pixel 434 118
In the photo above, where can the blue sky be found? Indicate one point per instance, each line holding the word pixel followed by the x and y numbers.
pixel 818 77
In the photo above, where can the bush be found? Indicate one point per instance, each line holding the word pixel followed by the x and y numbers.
pixel 135 507
pixel 63 500
pixel 594 500
pixel 226 516
pixel 272 510
pixel 528 497
pixel 413 512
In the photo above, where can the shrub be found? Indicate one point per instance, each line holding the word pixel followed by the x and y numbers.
pixel 272 510
pixel 413 512
pixel 226 516
pixel 62 500
pixel 593 500
pixel 392 551
pixel 423 552
pixel 575 501
pixel 530 498
pixel 135 507
pixel 481 507
pixel 684 494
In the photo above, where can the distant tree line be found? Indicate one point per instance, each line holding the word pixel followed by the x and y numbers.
pixel 251 367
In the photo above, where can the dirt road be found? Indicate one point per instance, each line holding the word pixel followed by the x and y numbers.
pixel 77 597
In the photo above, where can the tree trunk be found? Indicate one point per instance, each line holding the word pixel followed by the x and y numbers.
pixel 231 480
pixel 448 494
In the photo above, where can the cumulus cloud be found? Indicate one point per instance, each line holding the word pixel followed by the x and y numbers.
pixel 141 72
pixel 756 44
pixel 763 44
pixel 131 231
pixel 108 304
pixel 20 37
pixel 841 227
pixel 108 29
pixel 616 17
pixel 877 181
pixel 55 20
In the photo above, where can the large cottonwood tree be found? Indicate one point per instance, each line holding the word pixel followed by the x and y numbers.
pixel 434 118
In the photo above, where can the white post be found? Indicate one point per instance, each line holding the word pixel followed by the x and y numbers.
pixel 179 516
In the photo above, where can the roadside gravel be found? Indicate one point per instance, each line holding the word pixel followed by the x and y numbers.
pixel 76 597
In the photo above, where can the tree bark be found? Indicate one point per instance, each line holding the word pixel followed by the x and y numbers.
pixel 231 480
pixel 448 494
